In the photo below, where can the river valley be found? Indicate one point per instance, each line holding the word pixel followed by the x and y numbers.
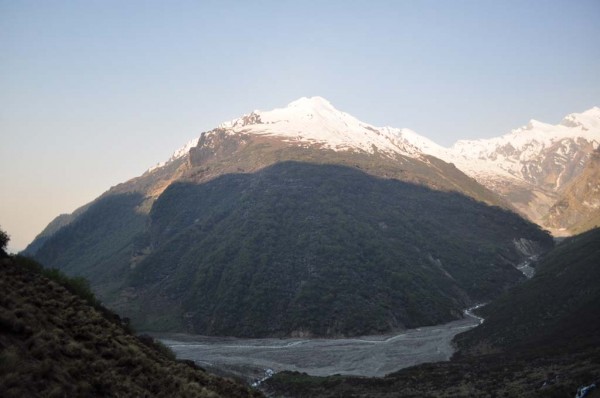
pixel 253 359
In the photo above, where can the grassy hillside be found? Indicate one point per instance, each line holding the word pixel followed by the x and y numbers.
pixel 54 343
pixel 319 250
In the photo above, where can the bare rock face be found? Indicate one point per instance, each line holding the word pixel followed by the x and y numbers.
pixel 577 207
pixel 214 147
pixel 547 176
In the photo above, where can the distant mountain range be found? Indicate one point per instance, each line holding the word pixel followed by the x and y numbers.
pixel 298 210
pixel 534 166
pixel 529 167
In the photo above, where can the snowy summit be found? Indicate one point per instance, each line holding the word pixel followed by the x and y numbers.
pixel 315 121
pixel 508 154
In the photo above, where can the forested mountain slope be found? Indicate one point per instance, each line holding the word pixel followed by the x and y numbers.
pixel 304 249
pixel 558 309
pixel 540 339
pixel 199 242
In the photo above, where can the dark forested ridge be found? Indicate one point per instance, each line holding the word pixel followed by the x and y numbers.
pixel 319 250
pixel 558 309
pixel 293 249
pixel 540 339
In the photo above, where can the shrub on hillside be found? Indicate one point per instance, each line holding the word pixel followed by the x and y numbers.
pixel 4 239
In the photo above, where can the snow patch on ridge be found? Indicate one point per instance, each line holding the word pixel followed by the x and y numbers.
pixel 506 156
pixel 179 153
pixel 511 157
pixel 315 121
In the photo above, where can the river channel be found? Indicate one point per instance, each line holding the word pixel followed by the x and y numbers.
pixel 360 356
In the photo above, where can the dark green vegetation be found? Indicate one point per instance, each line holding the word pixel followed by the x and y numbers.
pixel 54 344
pixel 301 247
pixel 54 226
pixel 559 307
pixel 512 375
pixel 318 249
pixel 98 244
pixel 540 339
pixel 77 285
pixel 293 249
pixel 4 239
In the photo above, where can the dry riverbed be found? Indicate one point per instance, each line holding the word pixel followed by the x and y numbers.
pixel 360 356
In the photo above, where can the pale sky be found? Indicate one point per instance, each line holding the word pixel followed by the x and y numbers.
pixel 93 93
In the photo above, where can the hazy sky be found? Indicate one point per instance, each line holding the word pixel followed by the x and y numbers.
pixel 92 93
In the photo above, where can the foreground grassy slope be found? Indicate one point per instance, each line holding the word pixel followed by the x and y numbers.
pixel 541 339
pixel 54 344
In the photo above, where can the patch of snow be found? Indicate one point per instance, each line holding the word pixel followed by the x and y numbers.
pixel 513 157
pixel 179 153
pixel 315 121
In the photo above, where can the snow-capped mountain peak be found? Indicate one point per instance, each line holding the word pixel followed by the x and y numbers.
pixel 299 113
pixel 587 120
pixel 534 134
pixel 312 103
pixel 529 165
pixel 316 121
pixel 517 155
pixel 537 153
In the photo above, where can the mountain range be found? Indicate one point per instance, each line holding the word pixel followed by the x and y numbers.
pixel 530 167
pixel 534 166
pixel 291 211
